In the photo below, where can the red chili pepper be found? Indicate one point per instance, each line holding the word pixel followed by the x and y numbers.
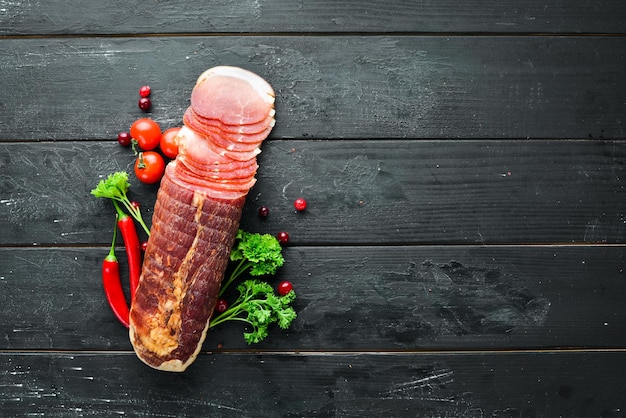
pixel 113 286
pixel 133 247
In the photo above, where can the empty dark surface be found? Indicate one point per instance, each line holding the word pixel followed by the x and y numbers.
pixel 462 254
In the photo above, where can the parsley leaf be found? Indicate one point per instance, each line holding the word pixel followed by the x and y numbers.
pixel 260 307
pixel 258 255
pixel 115 187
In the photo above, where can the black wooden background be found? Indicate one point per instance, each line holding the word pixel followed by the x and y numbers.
pixel 463 250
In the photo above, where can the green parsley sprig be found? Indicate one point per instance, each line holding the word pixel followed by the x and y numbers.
pixel 115 187
pixel 260 307
pixel 258 255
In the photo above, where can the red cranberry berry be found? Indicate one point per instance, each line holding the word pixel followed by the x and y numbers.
pixel 124 139
pixel 145 104
pixel 144 91
pixel 283 237
pixel 284 288
pixel 264 211
pixel 299 204
pixel 144 245
pixel 221 305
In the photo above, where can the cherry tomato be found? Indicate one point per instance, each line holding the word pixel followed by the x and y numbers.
pixel 149 167
pixel 284 288
pixel 147 133
pixel 169 142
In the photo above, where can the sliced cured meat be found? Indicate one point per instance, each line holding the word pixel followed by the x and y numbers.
pixel 198 123
pixel 213 149
pixel 225 143
pixel 220 142
pixel 197 214
pixel 212 96
pixel 210 170
pixel 237 137
pixel 197 148
pixel 207 187
pixel 216 181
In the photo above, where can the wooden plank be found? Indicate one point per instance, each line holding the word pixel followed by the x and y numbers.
pixel 354 298
pixel 305 385
pixel 184 16
pixel 359 192
pixel 327 86
pixel 443 191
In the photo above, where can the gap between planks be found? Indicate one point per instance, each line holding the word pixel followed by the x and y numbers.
pixel 417 352
pixel 318 34
pixel 94 246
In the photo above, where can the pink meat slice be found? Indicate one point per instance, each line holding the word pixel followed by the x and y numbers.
pixel 197 148
pixel 240 185
pixel 206 152
pixel 212 96
pixel 219 142
pixel 226 142
pixel 203 185
pixel 255 138
pixel 197 122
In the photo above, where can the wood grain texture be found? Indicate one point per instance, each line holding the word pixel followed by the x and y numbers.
pixel 353 298
pixel 327 86
pixel 582 384
pixel 359 192
pixel 40 17
pixel 463 251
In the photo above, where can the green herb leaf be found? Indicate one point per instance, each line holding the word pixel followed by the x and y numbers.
pixel 258 255
pixel 260 307
pixel 115 187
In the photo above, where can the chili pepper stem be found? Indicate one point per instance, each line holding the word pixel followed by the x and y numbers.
pixel 111 256
pixel 119 212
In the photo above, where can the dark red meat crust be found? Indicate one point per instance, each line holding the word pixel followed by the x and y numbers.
pixel 190 240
